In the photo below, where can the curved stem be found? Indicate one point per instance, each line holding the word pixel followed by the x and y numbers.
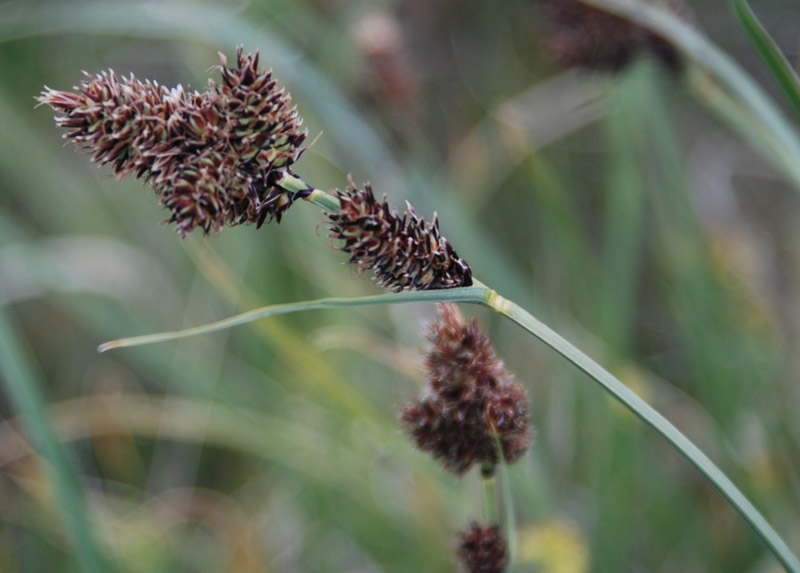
pixel 655 420
pixel 324 200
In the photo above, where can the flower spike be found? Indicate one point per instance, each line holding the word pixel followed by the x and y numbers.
pixel 213 158
pixel 471 411
pixel 404 252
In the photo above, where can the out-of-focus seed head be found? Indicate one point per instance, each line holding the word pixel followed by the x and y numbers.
pixel 212 157
pixel 577 34
pixel 470 405
pixel 482 549
pixel 404 252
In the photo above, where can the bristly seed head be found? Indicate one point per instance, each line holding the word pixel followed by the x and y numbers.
pixel 482 549
pixel 470 405
pixel 212 157
pixel 404 252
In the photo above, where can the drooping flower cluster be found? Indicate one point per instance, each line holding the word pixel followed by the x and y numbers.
pixel 577 34
pixel 404 252
pixel 212 158
pixel 482 549
pixel 471 410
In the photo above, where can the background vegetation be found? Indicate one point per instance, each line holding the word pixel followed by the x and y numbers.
pixel 616 208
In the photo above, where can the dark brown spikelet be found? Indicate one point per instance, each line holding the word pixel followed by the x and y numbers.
pixel 470 404
pixel 212 157
pixel 482 549
pixel 577 34
pixel 404 252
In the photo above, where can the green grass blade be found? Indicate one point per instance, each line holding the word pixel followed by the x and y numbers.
pixel 23 386
pixel 770 52
pixel 473 294
pixel 777 140
pixel 655 420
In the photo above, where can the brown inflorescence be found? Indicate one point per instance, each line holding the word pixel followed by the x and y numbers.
pixel 404 252
pixel 482 549
pixel 212 158
pixel 577 34
pixel 471 410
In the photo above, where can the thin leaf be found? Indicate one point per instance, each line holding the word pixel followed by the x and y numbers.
pixel 770 52
pixel 469 294
pixel 22 384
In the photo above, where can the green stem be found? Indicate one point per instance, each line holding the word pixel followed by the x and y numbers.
pixel 509 514
pixel 490 498
pixel 294 184
pixel 324 200
pixel 291 183
pixel 468 294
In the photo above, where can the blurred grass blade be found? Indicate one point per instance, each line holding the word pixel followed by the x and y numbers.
pixel 774 136
pixel 16 369
pixel 652 418
pixel 473 294
pixel 770 52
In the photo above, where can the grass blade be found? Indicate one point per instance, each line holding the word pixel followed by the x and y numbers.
pixel 655 420
pixel 469 294
pixel 23 388
pixel 770 52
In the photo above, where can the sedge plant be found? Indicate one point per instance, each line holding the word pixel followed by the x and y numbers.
pixel 227 156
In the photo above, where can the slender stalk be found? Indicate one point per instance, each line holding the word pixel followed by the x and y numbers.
pixel 468 294
pixel 490 498
pixel 293 184
pixel 509 514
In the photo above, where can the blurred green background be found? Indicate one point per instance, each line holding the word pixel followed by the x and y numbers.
pixel 616 208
